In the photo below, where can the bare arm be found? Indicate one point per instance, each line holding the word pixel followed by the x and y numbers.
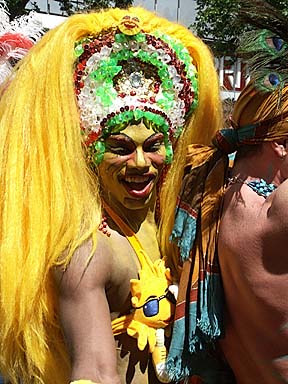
pixel 275 241
pixel 278 211
pixel 85 316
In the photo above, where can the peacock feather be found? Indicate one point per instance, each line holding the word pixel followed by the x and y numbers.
pixel 265 47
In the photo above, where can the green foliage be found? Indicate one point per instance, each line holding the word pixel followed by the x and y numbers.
pixel 69 6
pixel 218 23
pixel 17 7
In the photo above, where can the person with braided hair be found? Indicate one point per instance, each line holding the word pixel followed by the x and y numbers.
pixel 231 228
pixel 96 119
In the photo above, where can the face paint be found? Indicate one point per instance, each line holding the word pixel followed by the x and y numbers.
pixel 131 166
pixel 124 75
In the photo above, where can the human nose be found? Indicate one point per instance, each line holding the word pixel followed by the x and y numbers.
pixel 141 159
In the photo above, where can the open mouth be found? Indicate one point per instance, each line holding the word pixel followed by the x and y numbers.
pixel 138 186
pixel 129 25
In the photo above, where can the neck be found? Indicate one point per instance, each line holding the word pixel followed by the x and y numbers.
pixel 249 169
pixel 260 186
pixel 134 218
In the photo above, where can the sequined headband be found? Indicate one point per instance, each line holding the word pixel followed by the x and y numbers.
pixel 124 74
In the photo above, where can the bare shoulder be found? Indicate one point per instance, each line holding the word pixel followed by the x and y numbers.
pixel 279 208
pixel 90 265
pixel 275 234
pixel 108 264
pixel 242 217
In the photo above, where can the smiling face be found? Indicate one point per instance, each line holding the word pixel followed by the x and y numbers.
pixel 131 166
pixel 130 25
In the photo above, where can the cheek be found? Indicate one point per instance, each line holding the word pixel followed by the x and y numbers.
pixel 157 159
pixel 113 163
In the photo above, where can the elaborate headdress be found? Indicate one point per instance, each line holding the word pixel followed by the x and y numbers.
pixel 49 197
pixel 136 75
pixel 16 38
pixel 260 114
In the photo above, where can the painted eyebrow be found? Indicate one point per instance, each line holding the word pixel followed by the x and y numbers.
pixel 120 137
pixel 120 140
pixel 123 137
pixel 156 136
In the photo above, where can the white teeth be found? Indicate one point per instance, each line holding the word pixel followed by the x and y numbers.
pixel 136 179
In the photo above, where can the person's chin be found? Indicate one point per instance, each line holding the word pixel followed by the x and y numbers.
pixel 137 203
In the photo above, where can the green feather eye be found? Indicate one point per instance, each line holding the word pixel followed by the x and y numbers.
pixel 272 44
pixel 273 80
pixel 277 43
pixel 266 54
pixel 268 81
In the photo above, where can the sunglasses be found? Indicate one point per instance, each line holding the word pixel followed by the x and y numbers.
pixel 151 306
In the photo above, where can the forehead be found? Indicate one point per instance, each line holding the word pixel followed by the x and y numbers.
pixel 138 133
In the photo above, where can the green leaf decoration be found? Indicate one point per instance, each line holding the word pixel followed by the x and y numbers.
pixel 107 69
pixel 78 50
pixel 121 38
pixel 138 114
pixel 106 93
pixel 169 153
pixel 99 151
pixel 167 101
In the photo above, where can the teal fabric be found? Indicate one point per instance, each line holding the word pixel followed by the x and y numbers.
pixel 194 335
pixel 184 231
pixel 200 323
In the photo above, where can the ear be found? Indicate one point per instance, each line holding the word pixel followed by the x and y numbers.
pixel 134 301
pixel 135 288
pixel 279 148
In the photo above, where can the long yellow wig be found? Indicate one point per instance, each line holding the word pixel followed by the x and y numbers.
pixel 200 129
pixel 49 199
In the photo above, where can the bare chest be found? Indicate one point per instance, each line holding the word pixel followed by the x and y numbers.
pixel 125 265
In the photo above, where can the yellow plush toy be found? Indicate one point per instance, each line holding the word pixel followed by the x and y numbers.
pixel 153 303
pixel 153 298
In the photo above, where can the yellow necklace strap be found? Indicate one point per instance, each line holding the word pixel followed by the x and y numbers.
pixel 131 237
pixel 83 382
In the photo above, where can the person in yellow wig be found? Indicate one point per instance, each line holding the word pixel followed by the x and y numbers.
pixel 232 228
pixel 98 116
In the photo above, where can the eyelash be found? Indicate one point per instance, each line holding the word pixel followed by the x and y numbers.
pixel 154 147
pixel 123 150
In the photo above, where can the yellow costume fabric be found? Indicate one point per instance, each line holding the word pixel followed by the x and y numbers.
pixel 154 279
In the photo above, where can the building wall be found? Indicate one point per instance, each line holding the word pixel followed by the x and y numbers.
pixel 182 11
pixel 233 76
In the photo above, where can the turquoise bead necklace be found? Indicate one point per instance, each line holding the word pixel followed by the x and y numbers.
pixel 261 187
